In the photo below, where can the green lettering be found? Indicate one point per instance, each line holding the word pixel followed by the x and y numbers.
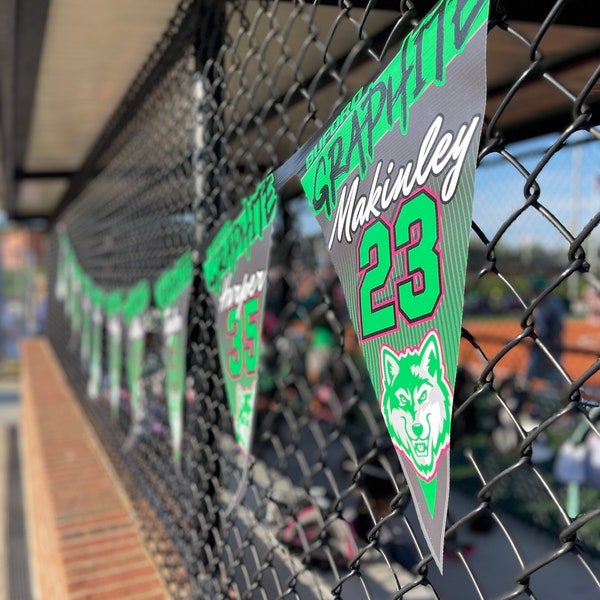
pixel 236 237
pixel 421 62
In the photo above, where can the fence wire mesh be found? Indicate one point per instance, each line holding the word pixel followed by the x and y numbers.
pixel 230 92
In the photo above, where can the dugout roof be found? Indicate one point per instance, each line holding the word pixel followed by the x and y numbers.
pixel 66 64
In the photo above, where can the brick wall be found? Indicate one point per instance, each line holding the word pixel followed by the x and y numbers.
pixel 82 535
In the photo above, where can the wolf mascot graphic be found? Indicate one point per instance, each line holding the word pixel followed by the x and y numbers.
pixel 416 400
pixel 243 414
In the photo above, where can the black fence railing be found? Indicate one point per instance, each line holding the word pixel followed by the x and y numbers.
pixel 231 91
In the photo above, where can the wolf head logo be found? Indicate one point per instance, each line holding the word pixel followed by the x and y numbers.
pixel 416 401
pixel 243 414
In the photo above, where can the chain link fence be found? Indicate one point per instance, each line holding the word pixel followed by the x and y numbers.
pixel 230 92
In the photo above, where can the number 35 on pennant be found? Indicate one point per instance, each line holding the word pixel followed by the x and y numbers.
pixel 243 333
pixel 413 238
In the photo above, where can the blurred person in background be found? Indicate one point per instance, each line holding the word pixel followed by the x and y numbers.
pixel 548 319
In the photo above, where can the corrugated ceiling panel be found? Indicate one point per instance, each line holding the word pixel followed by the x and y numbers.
pixel 91 53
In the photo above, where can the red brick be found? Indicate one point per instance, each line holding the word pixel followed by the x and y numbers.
pixel 98 550
pixel 118 589
pixel 115 560
pixel 111 577
pixel 97 520
pixel 85 544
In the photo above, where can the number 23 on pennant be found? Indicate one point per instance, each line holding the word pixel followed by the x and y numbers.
pixel 243 332
pixel 414 238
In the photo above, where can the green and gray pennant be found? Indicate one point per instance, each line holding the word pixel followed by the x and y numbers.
pixel 135 305
pixel 172 296
pixel 69 275
pixel 391 185
pixel 235 271
pixel 114 328
pixel 96 296
pixel 85 299
pixel 390 180
pixel 74 299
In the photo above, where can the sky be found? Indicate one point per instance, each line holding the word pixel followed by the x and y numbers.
pixel 569 188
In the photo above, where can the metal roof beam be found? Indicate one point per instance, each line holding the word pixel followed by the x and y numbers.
pixel 31 20
pixel 7 64
pixel 23 25
pixel 21 175
pixel 582 14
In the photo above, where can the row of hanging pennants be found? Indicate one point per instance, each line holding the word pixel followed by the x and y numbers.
pixel 390 180
pixel 121 314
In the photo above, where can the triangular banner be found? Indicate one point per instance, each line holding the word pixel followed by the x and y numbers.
pixel 96 296
pixel 73 302
pixel 135 305
pixel 391 184
pixel 235 271
pixel 114 329
pixel 390 180
pixel 85 347
pixel 172 296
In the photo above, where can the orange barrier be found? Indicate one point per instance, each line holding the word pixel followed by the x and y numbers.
pixel 581 340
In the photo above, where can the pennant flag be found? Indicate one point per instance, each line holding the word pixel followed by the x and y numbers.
pixel 75 294
pixel 114 327
pixel 85 347
pixel 390 181
pixel 60 283
pixel 96 297
pixel 172 296
pixel 235 271
pixel 135 305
